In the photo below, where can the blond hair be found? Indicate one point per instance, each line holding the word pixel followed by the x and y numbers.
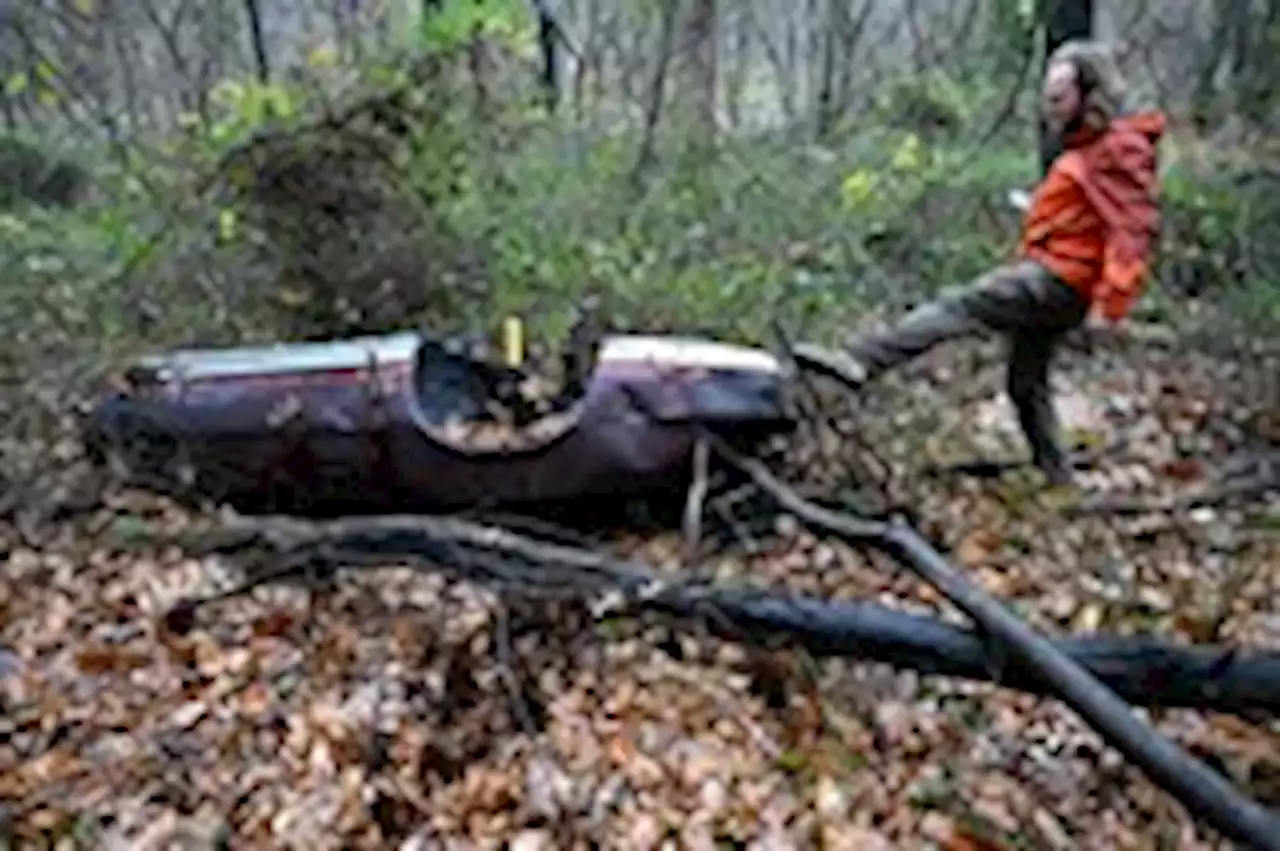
pixel 1098 74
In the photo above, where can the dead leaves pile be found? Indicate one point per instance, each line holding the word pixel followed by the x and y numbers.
pixel 400 711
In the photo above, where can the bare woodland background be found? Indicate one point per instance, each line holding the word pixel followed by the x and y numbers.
pixel 692 150
pixel 136 66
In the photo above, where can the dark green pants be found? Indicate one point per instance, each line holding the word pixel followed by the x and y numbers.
pixel 1022 301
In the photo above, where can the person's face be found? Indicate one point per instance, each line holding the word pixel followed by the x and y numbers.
pixel 1061 96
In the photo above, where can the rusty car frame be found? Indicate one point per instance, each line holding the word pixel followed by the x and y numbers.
pixel 411 422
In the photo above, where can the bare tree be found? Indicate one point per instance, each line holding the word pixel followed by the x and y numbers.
pixel 258 41
pixel 657 92
pixel 701 72
pixel 549 36
pixel 841 39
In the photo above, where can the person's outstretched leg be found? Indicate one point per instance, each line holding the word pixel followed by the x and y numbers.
pixel 1006 299
pixel 1022 300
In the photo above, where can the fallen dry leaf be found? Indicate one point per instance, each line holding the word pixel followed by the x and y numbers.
pixel 376 712
pixel 976 548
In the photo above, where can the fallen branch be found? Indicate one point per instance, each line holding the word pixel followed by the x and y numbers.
pixel 994 468
pixel 1204 792
pixel 1209 497
pixel 1144 671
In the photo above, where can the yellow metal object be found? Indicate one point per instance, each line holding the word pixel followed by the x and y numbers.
pixel 513 340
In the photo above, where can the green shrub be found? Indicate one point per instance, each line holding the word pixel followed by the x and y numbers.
pixel 287 217
pixel 29 174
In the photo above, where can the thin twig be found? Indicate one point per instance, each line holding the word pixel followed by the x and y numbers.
pixel 696 499
pixel 507 670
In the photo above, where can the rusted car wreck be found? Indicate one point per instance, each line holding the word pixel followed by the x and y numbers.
pixel 407 422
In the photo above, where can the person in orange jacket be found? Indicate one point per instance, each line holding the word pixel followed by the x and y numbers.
pixel 1083 258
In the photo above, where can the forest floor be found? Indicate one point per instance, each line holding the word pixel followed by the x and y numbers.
pixel 396 709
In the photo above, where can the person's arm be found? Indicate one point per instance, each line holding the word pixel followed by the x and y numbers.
pixel 1122 184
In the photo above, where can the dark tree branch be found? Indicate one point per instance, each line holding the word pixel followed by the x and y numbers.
pixel 258 41
pixel 657 94
pixel 548 44
pixel 1204 792
pixel 1144 671
pixel 1208 497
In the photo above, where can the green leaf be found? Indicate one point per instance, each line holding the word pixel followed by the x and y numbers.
pixel 792 762
pixel 227 228
pixel 457 21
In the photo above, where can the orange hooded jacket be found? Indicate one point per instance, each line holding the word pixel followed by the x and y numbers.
pixel 1094 219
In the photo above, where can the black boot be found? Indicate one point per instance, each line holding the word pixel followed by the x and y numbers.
pixel 830 363
pixel 1056 473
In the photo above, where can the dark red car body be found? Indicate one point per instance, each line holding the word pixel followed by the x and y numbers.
pixel 382 424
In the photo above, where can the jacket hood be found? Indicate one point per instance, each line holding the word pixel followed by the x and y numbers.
pixel 1150 123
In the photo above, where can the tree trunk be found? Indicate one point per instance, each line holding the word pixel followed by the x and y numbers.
pixel 548 41
pixel 740 69
pixel 850 43
pixel 703 69
pixel 258 41
pixel 1254 67
pixel 1206 88
pixel 829 89
pixel 1064 20
pixel 657 95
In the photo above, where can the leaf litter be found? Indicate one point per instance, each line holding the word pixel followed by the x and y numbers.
pixel 393 709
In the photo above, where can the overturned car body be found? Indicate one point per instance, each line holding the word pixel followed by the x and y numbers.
pixel 405 422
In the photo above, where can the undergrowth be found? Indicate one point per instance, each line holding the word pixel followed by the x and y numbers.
pixel 276 218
